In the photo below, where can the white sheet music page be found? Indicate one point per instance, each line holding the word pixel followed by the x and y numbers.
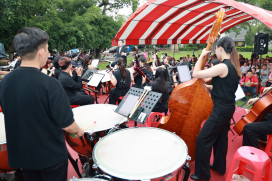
pixel 95 79
pixel 184 73
pixel 106 78
pixel 128 105
pixel 95 63
pixel 239 94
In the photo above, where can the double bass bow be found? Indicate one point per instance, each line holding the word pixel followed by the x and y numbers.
pixel 190 102
pixel 257 112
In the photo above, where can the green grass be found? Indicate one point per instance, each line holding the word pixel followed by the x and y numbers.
pixel 243 103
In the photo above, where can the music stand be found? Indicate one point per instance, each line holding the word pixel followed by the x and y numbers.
pixel 94 81
pixel 145 107
pixel 184 73
pixel 88 74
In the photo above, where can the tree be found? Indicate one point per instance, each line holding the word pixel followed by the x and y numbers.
pixel 69 23
pixel 15 13
pixel 254 26
pixel 112 5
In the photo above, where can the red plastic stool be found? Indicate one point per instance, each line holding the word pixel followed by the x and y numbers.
pixel 74 106
pixel 253 157
pixel 268 148
pixel 151 120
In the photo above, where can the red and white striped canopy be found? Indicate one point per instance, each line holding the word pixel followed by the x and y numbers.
pixel 184 21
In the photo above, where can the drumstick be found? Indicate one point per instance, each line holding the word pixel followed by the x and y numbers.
pixel 137 103
pixel 146 90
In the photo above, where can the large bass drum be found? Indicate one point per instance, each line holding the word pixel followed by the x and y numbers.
pixel 141 154
pixel 97 120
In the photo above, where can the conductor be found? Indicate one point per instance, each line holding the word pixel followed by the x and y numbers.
pixel 121 51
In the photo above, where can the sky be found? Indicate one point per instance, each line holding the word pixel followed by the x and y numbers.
pixel 127 11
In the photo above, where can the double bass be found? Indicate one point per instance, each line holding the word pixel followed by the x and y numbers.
pixel 190 102
pixel 257 112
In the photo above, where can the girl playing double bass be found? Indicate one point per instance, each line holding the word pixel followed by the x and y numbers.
pixel 214 133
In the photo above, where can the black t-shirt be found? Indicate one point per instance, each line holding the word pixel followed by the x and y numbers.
pixel 122 84
pixel 70 84
pixel 36 109
pixel 224 88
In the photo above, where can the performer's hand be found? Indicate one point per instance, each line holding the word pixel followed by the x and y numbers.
pixel 267 89
pixel 79 71
pixel 123 54
pixel 204 52
pixel 252 101
pixel 80 132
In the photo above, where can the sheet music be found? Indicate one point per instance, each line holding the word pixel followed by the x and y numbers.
pixel 129 103
pixel 106 78
pixel 239 94
pixel 184 73
pixel 95 79
pixel 95 63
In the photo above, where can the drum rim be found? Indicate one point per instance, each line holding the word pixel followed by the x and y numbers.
pixel 100 105
pixel 108 171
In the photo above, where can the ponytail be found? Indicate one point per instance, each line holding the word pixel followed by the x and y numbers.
pixel 235 61
pixel 122 67
pixel 228 45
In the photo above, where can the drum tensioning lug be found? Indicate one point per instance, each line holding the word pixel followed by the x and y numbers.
pixel 95 166
pixel 188 158
pixel 186 168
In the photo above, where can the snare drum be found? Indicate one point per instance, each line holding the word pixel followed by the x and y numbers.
pixel 141 154
pixel 3 147
pixel 97 120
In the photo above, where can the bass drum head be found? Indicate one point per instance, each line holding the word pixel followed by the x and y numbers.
pixel 140 153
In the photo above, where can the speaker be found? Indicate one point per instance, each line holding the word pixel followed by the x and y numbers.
pixel 261 44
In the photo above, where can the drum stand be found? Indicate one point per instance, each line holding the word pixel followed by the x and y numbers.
pixel 186 169
pixel 92 90
pixel 109 87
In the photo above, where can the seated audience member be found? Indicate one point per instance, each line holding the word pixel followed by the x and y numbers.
pixel 121 79
pixel 244 68
pixel 255 131
pixel 249 83
pixel 269 82
pixel 264 75
pixel 73 86
pixel 160 85
pixel 185 62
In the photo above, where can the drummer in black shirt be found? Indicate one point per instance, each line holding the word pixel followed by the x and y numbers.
pixel 36 112
pixel 121 79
